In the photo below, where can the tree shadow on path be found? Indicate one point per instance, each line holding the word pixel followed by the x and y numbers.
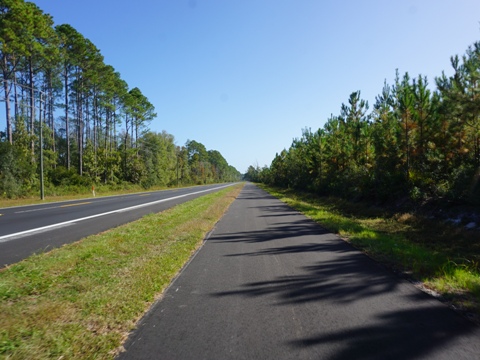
pixel 403 334
pixel 362 311
pixel 415 327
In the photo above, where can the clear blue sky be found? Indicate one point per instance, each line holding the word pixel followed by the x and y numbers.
pixel 244 77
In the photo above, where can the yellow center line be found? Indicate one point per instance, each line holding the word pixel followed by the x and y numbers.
pixel 84 203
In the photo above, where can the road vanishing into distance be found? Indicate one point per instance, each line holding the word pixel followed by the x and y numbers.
pixel 269 283
pixel 31 229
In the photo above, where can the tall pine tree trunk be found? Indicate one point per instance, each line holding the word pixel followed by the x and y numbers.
pixel 80 130
pixel 50 117
pixel 6 88
pixel 7 109
pixel 15 96
pixel 67 130
pixel 32 108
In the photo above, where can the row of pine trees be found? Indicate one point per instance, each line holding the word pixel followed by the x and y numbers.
pixel 418 141
pixel 71 117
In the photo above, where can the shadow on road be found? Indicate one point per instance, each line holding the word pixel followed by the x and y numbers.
pixel 336 280
pixel 402 334
pixel 280 231
pixel 340 278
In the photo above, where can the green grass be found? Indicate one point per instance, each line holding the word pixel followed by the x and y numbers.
pixel 80 301
pixel 444 258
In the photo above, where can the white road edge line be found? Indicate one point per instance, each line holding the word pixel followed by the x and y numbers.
pixel 9 237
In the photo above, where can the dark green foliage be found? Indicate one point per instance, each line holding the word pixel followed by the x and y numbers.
pixel 417 144
pixel 158 153
pixel 17 177
pixel 61 176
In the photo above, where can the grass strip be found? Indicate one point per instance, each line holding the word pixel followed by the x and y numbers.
pixel 444 259
pixel 80 301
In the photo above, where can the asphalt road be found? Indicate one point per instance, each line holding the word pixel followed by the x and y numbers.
pixel 38 228
pixel 271 284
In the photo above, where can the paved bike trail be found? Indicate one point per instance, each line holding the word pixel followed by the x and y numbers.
pixel 271 284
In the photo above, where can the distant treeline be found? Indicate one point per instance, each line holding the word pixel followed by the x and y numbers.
pixel 416 142
pixel 67 110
